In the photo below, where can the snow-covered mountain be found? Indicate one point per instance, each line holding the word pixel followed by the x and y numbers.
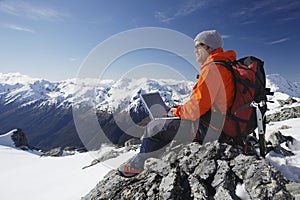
pixel 279 84
pixel 43 109
pixel 19 89
pixel 23 90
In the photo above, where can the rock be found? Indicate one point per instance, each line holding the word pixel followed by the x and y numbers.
pixel 277 138
pixel 206 170
pixel 288 101
pixel 223 193
pixel 224 177
pixel 283 127
pixel 224 182
pixel 132 142
pixel 262 181
pixel 157 166
pixel 211 171
pixel 284 114
pixel 294 189
pixel 19 138
pixel 198 190
pixel 54 152
pixel 275 141
pixel 167 185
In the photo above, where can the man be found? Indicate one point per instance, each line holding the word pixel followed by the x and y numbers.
pixel 210 99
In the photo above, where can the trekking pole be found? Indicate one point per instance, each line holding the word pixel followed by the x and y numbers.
pixel 261 132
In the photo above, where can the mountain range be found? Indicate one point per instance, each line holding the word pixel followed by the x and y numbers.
pixel 44 110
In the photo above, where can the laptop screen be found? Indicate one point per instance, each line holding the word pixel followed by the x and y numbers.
pixel 155 105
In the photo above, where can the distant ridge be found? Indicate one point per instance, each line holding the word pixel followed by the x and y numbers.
pixel 43 109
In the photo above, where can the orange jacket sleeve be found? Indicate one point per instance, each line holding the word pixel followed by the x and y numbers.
pixel 203 94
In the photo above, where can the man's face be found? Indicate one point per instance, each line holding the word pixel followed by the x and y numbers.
pixel 201 51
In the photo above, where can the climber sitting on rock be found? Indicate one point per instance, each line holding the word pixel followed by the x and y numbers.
pixel 209 101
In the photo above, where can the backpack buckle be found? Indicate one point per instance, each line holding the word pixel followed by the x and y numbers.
pixel 257 105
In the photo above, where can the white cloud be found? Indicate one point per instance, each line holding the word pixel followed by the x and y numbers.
pixel 289 7
pixel 279 41
pixel 72 59
pixel 185 9
pixel 19 28
pixel 44 13
pixel 7 8
pixel 248 22
pixel 26 10
pixel 190 7
pixel 225 36
pixel 163 17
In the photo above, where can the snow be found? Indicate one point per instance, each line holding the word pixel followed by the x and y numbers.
pixel 28 176
pixel 6 140
pixel 241 192
pixel 289 166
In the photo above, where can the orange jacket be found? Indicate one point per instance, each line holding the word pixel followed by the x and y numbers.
pixel 215 85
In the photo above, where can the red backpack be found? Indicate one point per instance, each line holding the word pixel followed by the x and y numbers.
pixel 248 108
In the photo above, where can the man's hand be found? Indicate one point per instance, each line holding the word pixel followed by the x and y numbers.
pixel 170 112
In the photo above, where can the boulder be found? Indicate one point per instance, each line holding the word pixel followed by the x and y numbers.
pixel 54 152
pixel 19 138
pixel 288 101
pixel 284 114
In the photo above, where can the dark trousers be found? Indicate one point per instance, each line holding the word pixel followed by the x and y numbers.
pixel 159 134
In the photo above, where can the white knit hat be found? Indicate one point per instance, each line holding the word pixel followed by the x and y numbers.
pixel 211 38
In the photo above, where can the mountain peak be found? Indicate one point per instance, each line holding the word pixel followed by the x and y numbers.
pixel 15 78
pixel 277 83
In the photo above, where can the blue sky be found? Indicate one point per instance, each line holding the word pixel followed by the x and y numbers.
pixel 51 39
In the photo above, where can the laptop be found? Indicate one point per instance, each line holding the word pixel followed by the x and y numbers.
pixel 155 106
pixel 157 111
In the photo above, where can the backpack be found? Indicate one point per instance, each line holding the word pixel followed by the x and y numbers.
pixel 248 108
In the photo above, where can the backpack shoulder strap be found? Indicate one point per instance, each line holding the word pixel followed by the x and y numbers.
pixel 228 65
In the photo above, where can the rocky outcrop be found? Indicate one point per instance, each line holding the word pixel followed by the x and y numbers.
pixel 19 138
pixel 56 152
pixel 59 151
pixel 211 171
pixel 284 114
pixel 288 101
